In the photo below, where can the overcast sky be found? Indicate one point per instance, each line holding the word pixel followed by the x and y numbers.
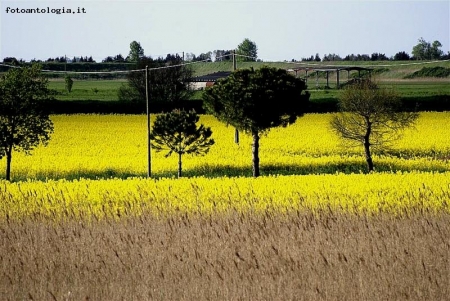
pixel 282 30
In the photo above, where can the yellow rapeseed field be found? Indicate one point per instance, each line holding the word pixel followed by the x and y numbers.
pixel 398 194
pixel 104 146
pixel 94 166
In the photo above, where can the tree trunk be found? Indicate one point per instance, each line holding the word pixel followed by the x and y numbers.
pixel 236 136
pixel 368 155
pixel 8 163
pixel 255 153
pixel 179 165
pixel 367 145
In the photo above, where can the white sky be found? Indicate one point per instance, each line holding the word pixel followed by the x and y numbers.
pixel 282 30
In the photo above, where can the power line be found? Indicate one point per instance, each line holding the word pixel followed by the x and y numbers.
pixel 250 57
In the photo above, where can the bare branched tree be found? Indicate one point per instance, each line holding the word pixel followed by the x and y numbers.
pixel 370 116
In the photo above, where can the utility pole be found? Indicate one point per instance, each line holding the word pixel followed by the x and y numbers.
pixel 236 132
pixel 149 147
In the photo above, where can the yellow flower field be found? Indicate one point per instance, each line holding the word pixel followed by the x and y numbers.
pixel 94 167
pixel 105 146
pixel 397 194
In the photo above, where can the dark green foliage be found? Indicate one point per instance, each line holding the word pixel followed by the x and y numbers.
pixel 116 59
pixel 254 101
pixel 257 100
pixel 165 84
pixel 248 49
pixel 178 133
pixel 401 56
pixel 11 61
pixel 378 57
pixel 430 72
pixel 317 58
pixel 136 52
pixel 24 124
pixel 427 51
pixel 68 83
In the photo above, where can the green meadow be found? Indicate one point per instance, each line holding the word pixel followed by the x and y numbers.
pixel 390 74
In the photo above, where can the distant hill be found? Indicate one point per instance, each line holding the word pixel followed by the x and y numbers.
pixel 383 70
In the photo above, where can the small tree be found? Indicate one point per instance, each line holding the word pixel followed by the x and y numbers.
pixel 317 58
pixel 23 122
pixel 401 56
pixel 69 83
pixel 370 116
pixel 136 52
pixel 254 101
pixel 248 49
pixel 435 51
pixel 178 132
pixel 426 51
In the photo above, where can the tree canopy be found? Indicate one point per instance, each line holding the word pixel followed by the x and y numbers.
pixel 136 52
pixel 427 51
pixel 370 116
pixel 254 101
pixel 248 50
pixel 24 124
pixel 178 133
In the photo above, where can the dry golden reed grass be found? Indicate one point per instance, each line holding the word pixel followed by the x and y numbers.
pixel 295 256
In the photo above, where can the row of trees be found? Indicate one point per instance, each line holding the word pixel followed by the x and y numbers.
pixel 369 115
pixel 114 59
pixel 246 51
pixel 422 51
pixel 253 101
pixel 332 57
pixel 246 100
pixel 64 59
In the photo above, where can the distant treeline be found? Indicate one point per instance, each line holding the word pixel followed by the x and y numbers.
pixel 376 56
pixel 81 67
pixel 424 50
